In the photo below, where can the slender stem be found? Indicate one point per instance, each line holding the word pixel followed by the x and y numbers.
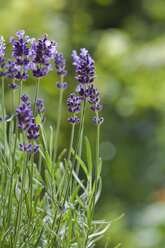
pixel 58 121
pixel 36 96
pixel 19 212
pixel 20 93
pixel 3 114
pixel 73 162
pixel 97 163
pixel 31 195
pixel 96 181
pixel 71 144
pixel 68 159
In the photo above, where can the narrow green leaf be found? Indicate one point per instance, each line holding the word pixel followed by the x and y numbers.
pixel 18 164
pixel 78 180
pixel 81 163
pixel 55 235
pixel 47 179
pixel 48 163
pixel 117 246
pixel 99 233
pixel 81 203
pixel 99 168
pixel 51 141
pixel 89 156
pixel 99 189
pixel 69 229
pixel 74 194
pixel 59 160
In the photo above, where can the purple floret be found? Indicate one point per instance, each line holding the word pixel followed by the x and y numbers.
pixel 13 86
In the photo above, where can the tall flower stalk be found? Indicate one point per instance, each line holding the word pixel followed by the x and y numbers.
pixel 62 72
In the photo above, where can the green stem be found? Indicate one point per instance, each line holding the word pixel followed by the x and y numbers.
pixel 36 96
pixel 73 162
pixel 97 163
pixel 3 114
pixel 96 181
pixel 68 159
pixel 19 212
pixel 58 121
pixel 31 195
pixel 20 93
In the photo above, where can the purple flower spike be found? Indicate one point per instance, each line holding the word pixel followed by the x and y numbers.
pixel 13 86
pixel 33 130
pixel 42 52
pixel 2 59
pixel 40 106
pixel 84 66
pixel 74 103
pixel 24 113
pixel 21 53
pixel 24 97
pixel 1 119
pixel 60 64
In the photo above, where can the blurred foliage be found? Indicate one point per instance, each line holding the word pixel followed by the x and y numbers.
pixel 127 41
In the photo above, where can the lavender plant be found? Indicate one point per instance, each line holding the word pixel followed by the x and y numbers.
pixel 44 202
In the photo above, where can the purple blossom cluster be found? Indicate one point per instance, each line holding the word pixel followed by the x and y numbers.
pixel 60 63
pixel 2 59
pixel 40 106
pixel 86 90
pixel 42 52
pixel 27 122
pixel 28 147
pixel 21 52
pixel 84 66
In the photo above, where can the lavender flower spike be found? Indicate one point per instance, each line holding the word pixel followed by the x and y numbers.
pixel 74 103
pixel 84 66
pixel 2 59
pixel 21 53
pixel 40 106
pixel 42 52
pixel 60 64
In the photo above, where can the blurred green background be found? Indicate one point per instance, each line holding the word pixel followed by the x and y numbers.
pixel 127 40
